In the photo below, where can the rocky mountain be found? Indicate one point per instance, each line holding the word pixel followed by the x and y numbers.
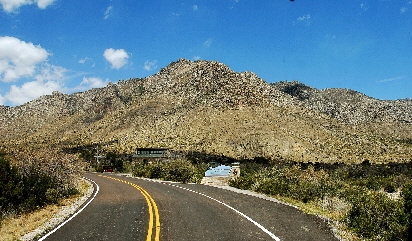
pixel 204 106
pixel 349 106
pixel 391 117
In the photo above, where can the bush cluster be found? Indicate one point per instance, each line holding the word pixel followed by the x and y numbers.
pixel 119 162
pixel 362 192
pixel 32 179
pixel 375 216
pixel 305 185
pixel 174 170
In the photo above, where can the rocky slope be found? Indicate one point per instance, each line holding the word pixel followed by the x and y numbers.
pixel 349 106
pixel 392 117
pixel 204 106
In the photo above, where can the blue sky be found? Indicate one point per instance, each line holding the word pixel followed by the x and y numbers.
pixel 70 46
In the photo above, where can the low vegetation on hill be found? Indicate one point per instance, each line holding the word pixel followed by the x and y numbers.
pixel 31 179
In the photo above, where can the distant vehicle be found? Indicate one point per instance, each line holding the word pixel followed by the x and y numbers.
pixel 107 169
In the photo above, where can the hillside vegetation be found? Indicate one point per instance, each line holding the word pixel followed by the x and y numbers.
pixel 31 179
pixel 204 106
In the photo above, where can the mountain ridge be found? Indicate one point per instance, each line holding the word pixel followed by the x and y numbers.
pixel 359 107
pixel 205 106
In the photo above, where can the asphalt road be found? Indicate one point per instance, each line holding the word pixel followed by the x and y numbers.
pixel 125 209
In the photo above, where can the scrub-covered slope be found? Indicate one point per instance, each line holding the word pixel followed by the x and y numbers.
pixel 204 106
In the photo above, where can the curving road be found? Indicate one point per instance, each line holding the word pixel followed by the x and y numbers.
pixel 131 209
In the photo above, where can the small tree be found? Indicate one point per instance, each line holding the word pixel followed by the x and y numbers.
pixel 114 160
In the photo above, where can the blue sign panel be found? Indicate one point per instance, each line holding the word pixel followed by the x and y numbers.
pixel 218 171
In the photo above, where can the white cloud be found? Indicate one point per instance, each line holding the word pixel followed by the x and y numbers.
pixel 19 59
pixel 82 61
pixel 107 13
pixel 404 9
pixel 50 72
pixel 305 19
pixel 150 65
pixel 196 58
pixel 31 90
pixel 13 5
pixel 392 79
pixel 2 100
pixel 207 43
pixel 94 82
pixel 118 58
pixel 195 7
pixel 44 3
pixel 50 78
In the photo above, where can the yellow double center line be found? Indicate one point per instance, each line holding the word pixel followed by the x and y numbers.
pixel 154 220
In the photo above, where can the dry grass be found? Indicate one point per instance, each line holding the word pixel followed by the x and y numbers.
pixel 13 228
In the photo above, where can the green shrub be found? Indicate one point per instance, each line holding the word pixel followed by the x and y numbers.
pixel 98 168
pixel 139 170
pixel 407 197
pixel 115 160
pixel 377 217
pixel 52 195
pixel 179 171
pixel 29 191
pixel 273 186
pixel 242 182
pixel 389 187
pixel 36 178
pixel 304 185
pixel 10 188
pixel 155 170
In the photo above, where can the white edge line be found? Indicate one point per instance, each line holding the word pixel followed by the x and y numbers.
pixel 74 215
pixel 240 213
